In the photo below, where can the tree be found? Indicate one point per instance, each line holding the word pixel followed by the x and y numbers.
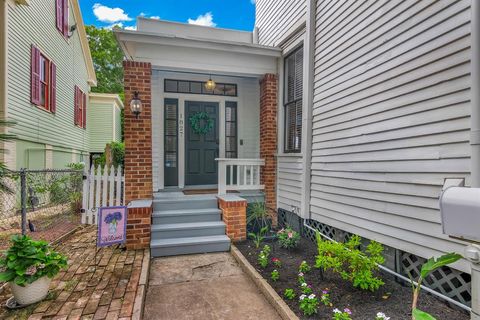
pixel 107 59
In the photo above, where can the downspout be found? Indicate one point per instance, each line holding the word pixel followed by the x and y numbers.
pixel 308 69
pixel 475 147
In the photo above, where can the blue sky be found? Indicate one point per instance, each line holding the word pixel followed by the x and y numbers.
pixel 231 14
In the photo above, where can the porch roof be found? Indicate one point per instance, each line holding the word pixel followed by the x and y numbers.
pixel 181 47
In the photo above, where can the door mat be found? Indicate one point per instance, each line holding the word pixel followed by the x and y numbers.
pixel 204 191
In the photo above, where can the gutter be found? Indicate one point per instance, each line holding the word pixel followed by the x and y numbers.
pixel 475 99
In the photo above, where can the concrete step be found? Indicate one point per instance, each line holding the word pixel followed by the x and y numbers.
pixel 185 216
pixel 190 245
pixel 188 202
pixel 193 229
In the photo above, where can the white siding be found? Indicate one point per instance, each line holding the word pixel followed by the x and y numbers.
pixel 390 118
pixel 276 18
pixel 289 182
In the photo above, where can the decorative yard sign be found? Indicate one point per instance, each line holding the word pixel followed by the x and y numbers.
pixel 112 226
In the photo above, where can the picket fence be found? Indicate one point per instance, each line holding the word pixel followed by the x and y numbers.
pixel 102 187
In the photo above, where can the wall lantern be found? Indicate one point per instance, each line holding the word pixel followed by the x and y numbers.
pixel 136 105
pixel 210 84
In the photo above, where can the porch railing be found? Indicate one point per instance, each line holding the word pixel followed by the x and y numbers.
pixel 239 174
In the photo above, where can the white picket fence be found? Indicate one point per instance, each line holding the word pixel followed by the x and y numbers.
pixel 103 187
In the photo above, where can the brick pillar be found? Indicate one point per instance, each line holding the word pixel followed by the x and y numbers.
pixel 268 140
pixel 138 132
pixel 139 224
pixel 234 214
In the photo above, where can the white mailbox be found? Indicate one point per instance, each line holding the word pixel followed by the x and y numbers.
pixel 460 210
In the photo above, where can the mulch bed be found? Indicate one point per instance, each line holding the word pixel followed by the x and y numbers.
pixel 393 299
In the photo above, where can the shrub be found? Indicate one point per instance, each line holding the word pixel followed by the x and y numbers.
pixel 289 294
pixel 288 238
pixel 352 264
pixel 27 261
pixel 275 275
pixel 308 304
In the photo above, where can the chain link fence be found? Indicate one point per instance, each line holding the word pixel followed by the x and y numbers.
pixel 45 204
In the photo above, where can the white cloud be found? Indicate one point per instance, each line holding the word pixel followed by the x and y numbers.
pixel 109 15
pixel 203 20
pixel 155 17
pixel 131 28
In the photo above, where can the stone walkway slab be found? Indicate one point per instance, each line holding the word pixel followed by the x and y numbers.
pixel 204 287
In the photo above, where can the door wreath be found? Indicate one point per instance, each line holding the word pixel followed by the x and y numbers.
pixel 195 123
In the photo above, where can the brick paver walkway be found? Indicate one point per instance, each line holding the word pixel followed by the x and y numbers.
pixel 95 286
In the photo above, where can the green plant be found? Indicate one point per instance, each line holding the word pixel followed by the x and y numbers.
pixel 325 298
pixel 350 262
pixel 381 316
pixel 342 315
pixel 289 294
pixel 258 215
pixel 288 238
pixel 306 288
pixel 308 304
pixel 301 278
pixel 431 265
pixel 275 275
pixel 276 262
pixel 304 267
pixel 263 256
pixel 258 237
pixel 28 260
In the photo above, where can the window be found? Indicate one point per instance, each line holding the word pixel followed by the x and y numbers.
pixel 80 105
pixel 231 130
pixel 293 94
pixel 198 87
pixel 62 16
pixel 43 81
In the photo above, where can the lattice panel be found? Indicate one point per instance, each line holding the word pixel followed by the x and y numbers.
pixel 323 228
pixel 287 218
pixel 449 282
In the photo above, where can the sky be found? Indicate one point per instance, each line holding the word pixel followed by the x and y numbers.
pixel 230 14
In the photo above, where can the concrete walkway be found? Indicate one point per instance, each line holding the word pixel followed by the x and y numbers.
pixel 203 287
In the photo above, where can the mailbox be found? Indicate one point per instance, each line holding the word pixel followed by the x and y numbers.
pixel 460 210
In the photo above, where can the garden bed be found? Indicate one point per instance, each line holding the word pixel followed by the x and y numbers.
pixel 392 298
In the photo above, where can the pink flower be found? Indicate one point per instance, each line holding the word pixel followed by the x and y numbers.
pixel 325 292
pixel 31 271
pixel 290 234
pixel 347 311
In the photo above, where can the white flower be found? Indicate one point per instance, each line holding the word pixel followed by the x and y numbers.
pixel 302 297
pixel 312 296
pixel 304 284
pixel 382 315
pixel 300 274
pixel 336 311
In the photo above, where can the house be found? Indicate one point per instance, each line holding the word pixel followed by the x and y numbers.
pixel 351 115
pixel 46 76
pixel 104 118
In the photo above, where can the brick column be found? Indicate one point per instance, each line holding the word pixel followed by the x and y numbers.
pixel 234 214
pixel 139 224
pixel 138 132
pixel 268 140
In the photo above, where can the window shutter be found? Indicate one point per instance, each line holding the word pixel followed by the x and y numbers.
pixel 53 87
pixel 75 107
pixel 65 17
pixel 84 110
pixel 35 76
pixel 59 14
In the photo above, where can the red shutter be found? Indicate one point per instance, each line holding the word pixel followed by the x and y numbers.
pixel 35 76
pixel 65 17
pixel 84 111
pixel 53 87
pixel 59 14
pixel 75 107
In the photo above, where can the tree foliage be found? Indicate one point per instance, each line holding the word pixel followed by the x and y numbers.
pixel 107 59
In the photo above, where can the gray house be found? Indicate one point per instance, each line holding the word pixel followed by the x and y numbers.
pixel 349 116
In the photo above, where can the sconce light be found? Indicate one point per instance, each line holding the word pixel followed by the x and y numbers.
pixel 136 105
pixel 210 84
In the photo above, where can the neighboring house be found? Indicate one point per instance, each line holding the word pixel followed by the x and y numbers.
pixel 360 111
pixel 104 118
pixel 47 72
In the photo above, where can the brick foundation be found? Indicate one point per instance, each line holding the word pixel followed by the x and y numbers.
pixel 139 224
pixel 268 140
pixel 234 214
pixel 138 132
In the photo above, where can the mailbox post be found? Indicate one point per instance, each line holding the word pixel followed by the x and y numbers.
pixel 460 210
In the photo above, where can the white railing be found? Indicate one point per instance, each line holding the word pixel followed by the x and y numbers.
pixel 239 174
pixel 102 187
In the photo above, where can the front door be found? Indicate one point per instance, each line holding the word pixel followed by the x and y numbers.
pixel 201 145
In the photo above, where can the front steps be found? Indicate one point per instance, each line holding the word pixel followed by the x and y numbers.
pixel 186 225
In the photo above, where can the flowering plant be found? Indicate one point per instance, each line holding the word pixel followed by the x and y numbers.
pixel 325 298
pixel 113 217
pixel 304 267
pixel 27 261
pixel 276 262
pixel 263 256
pixel 382 316
pixel 275 275
pixel 301 278
pixel 288 238
pixel 306 288
pixel 289 294
pixel 342 315
pixel 308 304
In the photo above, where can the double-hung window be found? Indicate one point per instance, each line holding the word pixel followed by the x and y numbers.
pixel 80 111
pixel 43 81
pixel 293 94
pixel 61 7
